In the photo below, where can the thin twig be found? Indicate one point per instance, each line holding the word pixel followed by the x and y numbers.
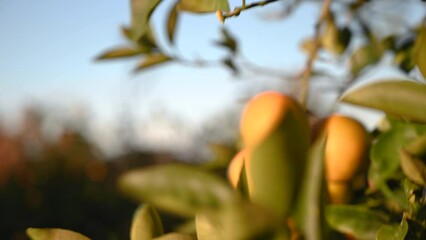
pixel 306 74
pixel 238 10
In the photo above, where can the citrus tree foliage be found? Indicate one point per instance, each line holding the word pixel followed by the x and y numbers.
pixel 281 191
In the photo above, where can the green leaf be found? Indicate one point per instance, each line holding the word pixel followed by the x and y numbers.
pixel 228 41
pixel 385 160
pixel 54 234
pixel 152 60
pixel 404 99
pixel 203 6
pixel 223 154
pixel 311 204
pixel 413 160
pixel 416 199
pixel 363 57
pixel 231 65
pixel 393 232
pixel 175 236
pixel 146 224
pixel 172 19
pixel 277 165
pixel 239 221
pixel 420 50
pixel 179 189
pixel 121 52
pixel 141 13
pixel 360 222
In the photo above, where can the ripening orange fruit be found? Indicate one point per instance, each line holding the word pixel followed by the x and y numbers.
pixel 346 148
pixel 236 165
pixel 263 113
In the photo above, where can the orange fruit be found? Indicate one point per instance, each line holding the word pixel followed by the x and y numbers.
pixel 346 148
pixel 262 115
pixel 236 165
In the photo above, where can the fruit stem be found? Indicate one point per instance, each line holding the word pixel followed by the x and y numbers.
pixel 306 74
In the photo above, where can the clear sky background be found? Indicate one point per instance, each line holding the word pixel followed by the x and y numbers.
pixel 48 47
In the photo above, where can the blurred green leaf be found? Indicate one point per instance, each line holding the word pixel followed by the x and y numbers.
pixel 146 224
pixel 393 232
pixel 172 20
pixel 385 161
pixel 203 6
pixel 413 160
pixel 231 65
pixel 363 57
pixel 179 189
pixel 54 234
pixel 420 50
pixel 120 52
pixel 311 204
pixel 277 165
pixel 228 41
pixel 239 221
pixel 335 39
pixel 152 60
pixel 404 99
pixel 175 236
pixel 242 185
pixel 141 12
pixel 360 222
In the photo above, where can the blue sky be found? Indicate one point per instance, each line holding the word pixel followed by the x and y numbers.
pixel 47 52
pixel 48 49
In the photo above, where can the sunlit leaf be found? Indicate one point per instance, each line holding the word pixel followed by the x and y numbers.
pixel 311 204
pixel 203 6
pixel 420 50
pixel 404 99
pixel 152 60
pixel 393 232
pixel 175 236
pixel 172 20
pixel 146 224
pixel 176 188
pixel 239 221
pixel 411 163
pixel 277 165
pixel 141 12
pixel 54 234
pixel 120 52
pixel 360 222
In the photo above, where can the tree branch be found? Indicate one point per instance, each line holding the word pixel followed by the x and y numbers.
pixel 222 16
pixel 306 74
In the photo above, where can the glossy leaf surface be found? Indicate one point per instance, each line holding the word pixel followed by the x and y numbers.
pixel 393 232
pixel 404 99
pixel 146 224
pixel 176 188
pixel 357 221
pixel 311 204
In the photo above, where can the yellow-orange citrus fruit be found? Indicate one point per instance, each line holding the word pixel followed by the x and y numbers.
pixel 262 115
pixel 339 192
pixel 346 148
pixel 236 165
